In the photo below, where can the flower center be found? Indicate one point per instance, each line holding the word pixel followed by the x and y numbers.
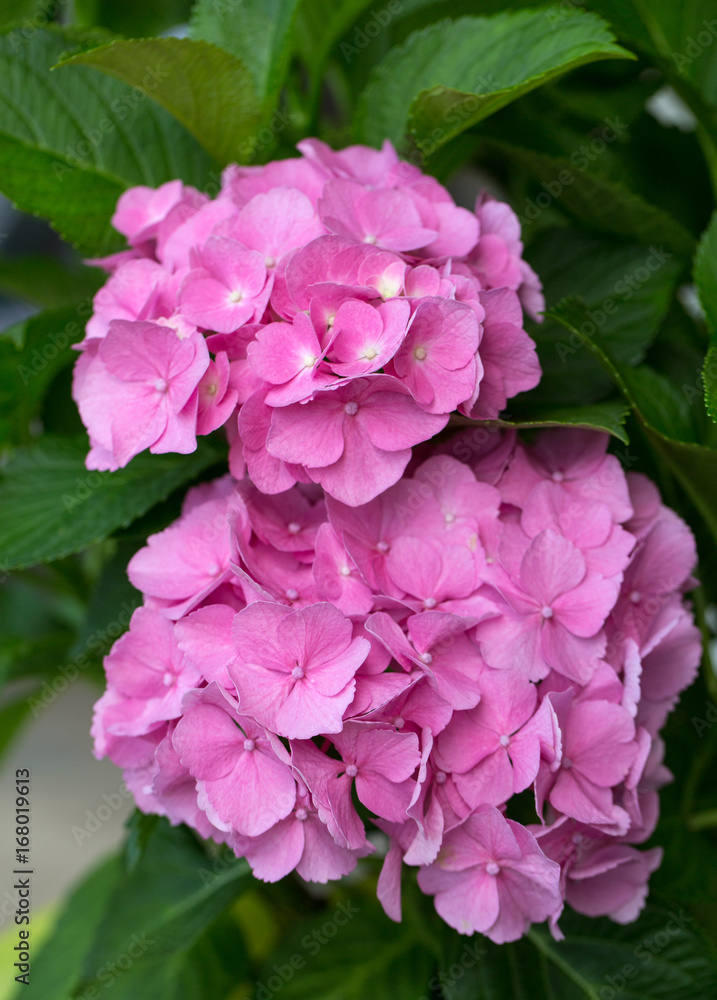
pixel 351 770
pixel 449 518
pixel 567 763
pixel 351 408
pixel 504 740
pixel 291 594
pixel 249 745
pixel 382 546
pixel 493 868
pixel 546 612
pixel 420 353
pixel 345 571
pixel 441 777
pixel 298 672
pixel 430 602
pixel 301 814
pixel 558 477
pixel 398 722
pixel 236 296
pixel 161 385
pixel 369 239
pixel 426 658
pixel 293 528
pixel 636 597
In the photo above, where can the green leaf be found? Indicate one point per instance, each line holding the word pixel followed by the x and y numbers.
pixel 58 965
pixel 132 17
pixel 31 354
pixel 209 969
pixel 72 142
pixel 352 952
pixel 140 827
pixel 709 377
pixel 608 416
pixel 27 13
pixel 705 274
pixel 164 902
pixel 50 505
pixel 45 282
pixel 694 466
pixel 319 24
pixel 259 32
pixel 628 290
pixel 205 88
pixel 683 34
pixel 447 77
pixel 597 203
pixel 662 956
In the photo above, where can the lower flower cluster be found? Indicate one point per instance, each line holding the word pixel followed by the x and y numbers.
pixel 507 617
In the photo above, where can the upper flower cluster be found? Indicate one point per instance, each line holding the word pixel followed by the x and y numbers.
pixel 341 303
pixel 504 618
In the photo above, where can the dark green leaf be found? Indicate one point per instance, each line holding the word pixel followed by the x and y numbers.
pixel 166 901
pixel 607 416
pixel 31 354
pixel 597 203
pixel 28 14
pixel 682 34
pixel 350 953
pixel 208 969
pixel 132 17
pixel 447 77
pixel 58 966
pixel 662 956
pixel 72 142
pixel 628 290
pixel 319 24
pixel 46 282
pixel 204 87
pixel 259 32
pixel 140 828
pixel 50 505
pixel 705 274
pixel 709 376
pixel 694 465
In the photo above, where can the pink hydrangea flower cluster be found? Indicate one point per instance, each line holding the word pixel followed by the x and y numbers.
pixel 330 311
pixel 503 631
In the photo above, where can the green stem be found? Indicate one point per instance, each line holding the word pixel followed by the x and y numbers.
pixel 702 821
